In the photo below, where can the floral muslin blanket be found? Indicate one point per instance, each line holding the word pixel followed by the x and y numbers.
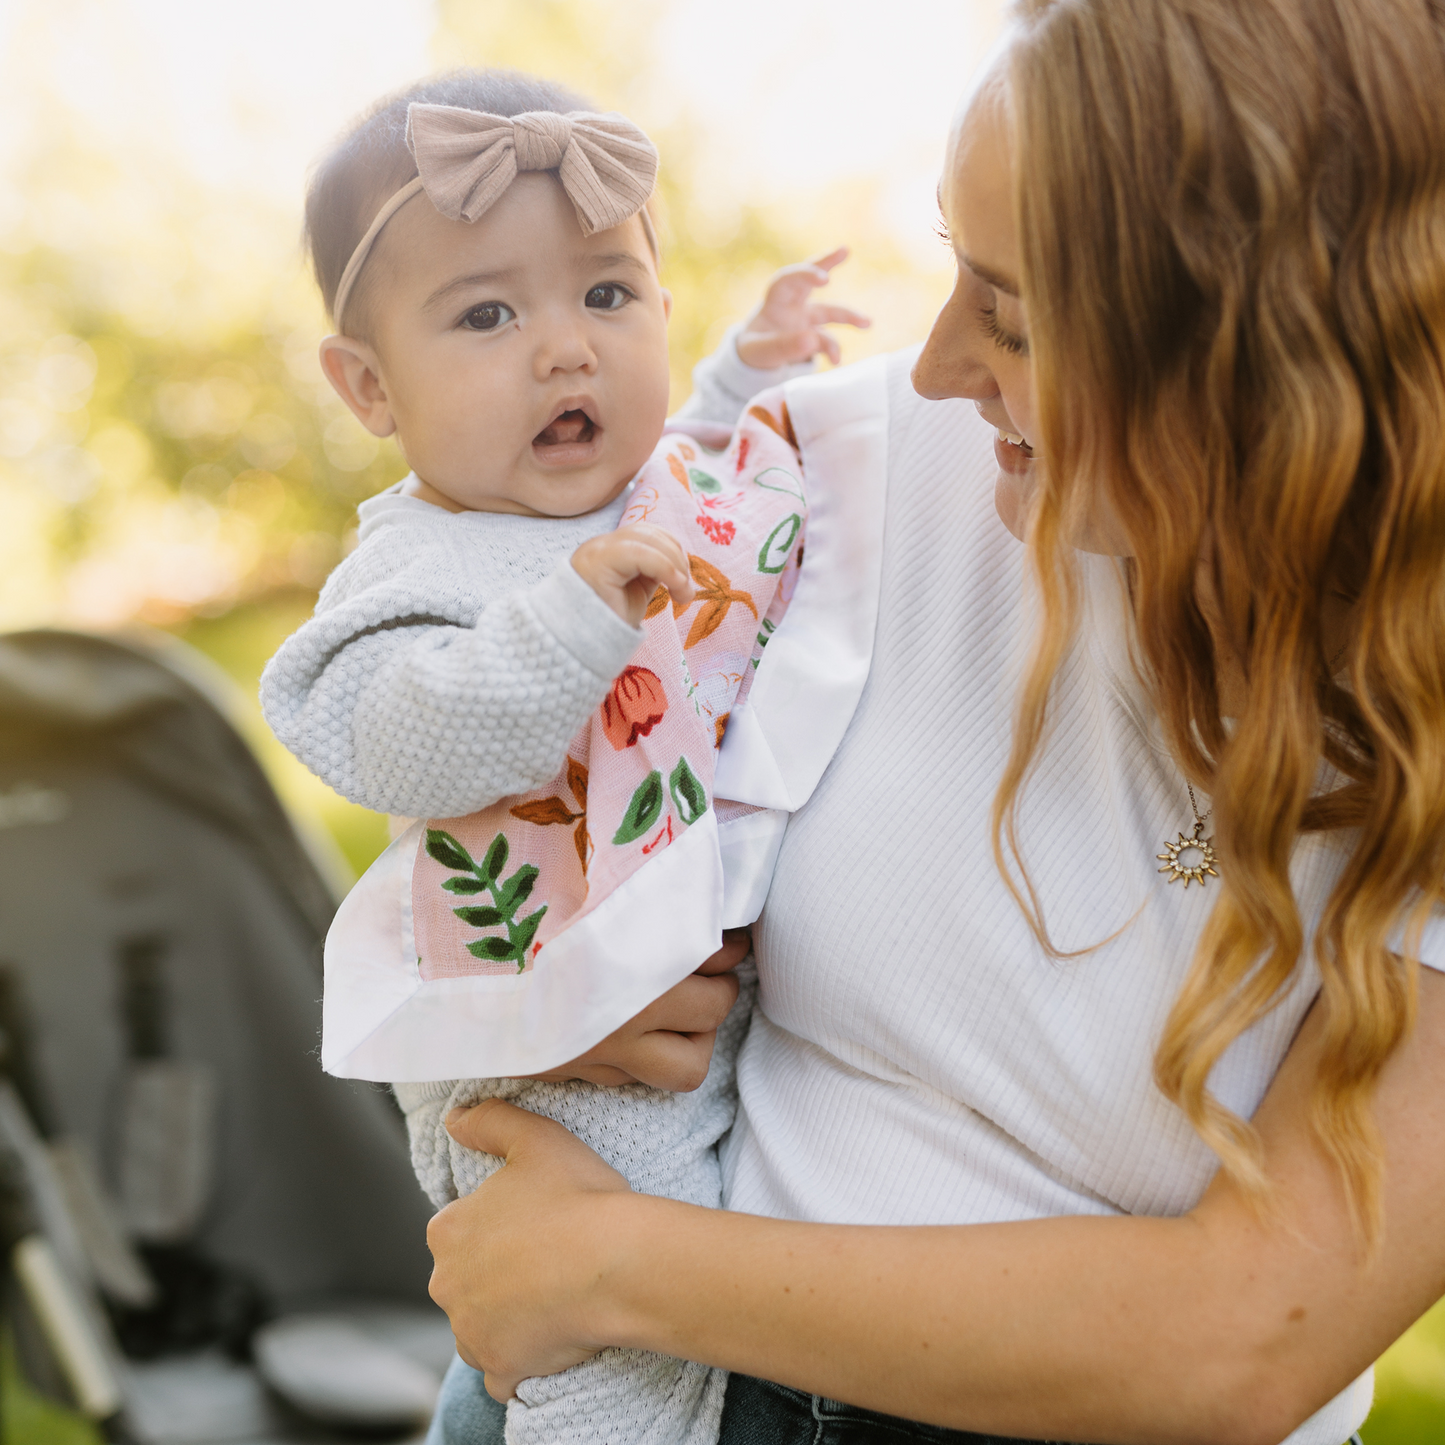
pixel 491 891
pixel 502 944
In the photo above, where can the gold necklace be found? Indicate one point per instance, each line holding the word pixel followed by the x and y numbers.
pixel 1204 847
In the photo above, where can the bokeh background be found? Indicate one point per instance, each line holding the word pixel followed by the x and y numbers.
pixel 170 456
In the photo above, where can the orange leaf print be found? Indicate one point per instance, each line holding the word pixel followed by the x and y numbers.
pixel 688 455
pixel 660 599
pixel 717 594
pixel 707 621
pixel 544 811
pixel 784 428
pixel 719 727
pixel 577 781
pixel 679 471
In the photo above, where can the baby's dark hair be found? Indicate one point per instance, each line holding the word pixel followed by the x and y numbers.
pixel 354 179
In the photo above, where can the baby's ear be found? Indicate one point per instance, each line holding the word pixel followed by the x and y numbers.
pixel 352 368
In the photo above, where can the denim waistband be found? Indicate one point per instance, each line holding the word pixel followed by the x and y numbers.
pixel 759 1412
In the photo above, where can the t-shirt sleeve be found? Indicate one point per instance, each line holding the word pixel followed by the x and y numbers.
pixel 1432 940
pixel 403 708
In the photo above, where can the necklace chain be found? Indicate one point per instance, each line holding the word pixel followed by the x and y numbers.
pixel 1200 819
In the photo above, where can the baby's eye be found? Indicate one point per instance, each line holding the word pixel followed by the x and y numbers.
pixel 608 297
pixel 488 316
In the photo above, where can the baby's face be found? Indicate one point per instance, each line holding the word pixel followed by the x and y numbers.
pixel 524 364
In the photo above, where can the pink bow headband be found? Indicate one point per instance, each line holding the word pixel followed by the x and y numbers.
pixel 466 159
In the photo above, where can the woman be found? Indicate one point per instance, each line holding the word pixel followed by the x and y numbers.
pixel 1201 286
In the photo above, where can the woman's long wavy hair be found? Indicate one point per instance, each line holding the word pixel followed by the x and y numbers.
pixel 1233 224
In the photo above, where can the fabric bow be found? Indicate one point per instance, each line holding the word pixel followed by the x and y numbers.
pixel 467 158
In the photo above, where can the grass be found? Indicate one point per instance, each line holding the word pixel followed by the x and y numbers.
pixel 1410 1387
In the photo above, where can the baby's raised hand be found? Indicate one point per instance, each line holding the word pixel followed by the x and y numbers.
pixel 788 326
pixel 625 567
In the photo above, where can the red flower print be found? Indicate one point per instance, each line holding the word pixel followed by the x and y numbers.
pixel 719 529
pixel 636 702
pixel 743 446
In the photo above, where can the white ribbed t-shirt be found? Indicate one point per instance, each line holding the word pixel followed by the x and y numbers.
pixel 915 1056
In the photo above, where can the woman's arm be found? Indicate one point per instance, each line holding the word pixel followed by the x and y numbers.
pixel 1221 1326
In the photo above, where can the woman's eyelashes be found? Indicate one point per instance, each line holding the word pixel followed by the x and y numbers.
pixel 988 314
pixel 609 296
pixel 489 316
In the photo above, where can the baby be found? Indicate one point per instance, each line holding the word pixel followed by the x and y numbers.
pixel 537 645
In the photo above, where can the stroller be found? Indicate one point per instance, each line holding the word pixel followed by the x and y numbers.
pixel 190 1206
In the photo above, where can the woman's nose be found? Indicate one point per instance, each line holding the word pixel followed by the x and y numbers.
pixel 952 362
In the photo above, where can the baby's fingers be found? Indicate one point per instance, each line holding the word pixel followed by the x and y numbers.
pixel 672 567
pixel 826 262
pixel 821 315
pixel 654 553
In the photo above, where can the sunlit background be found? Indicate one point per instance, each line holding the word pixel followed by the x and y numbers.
pixel 170 456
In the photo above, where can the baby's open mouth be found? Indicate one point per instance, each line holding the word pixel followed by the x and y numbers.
pixel 572 428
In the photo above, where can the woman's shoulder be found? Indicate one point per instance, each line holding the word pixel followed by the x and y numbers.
pixel 869 413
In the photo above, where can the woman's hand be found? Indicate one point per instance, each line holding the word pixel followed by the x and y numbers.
pixel 509 1258
pixel 669 1044
pixel 788 325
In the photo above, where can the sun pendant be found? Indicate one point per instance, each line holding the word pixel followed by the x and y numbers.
pixel 1197 873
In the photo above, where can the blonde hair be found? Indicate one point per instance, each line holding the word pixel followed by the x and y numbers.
pixel 1233 225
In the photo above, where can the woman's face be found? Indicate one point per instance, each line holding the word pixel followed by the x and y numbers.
pixel 979 346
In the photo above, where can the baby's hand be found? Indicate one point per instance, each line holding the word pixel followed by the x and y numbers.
pixel 625 567
pixel 787 327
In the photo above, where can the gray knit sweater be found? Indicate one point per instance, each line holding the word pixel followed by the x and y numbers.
pixel 451 659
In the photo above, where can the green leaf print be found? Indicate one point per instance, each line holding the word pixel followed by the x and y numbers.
pixel 464 885
pixel 507 896
pixel 526 930
pixel 704 481
pixel 493 947
pixel 775 551
pixel 495 860
pixel 518 888
pixel 688 795
pixel 779 479
pixel 483 917
pixel 447 851
pixel 643 811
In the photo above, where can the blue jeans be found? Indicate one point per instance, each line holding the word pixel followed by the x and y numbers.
pixel 758 1412
pixel 755 1413
pixel 465 1414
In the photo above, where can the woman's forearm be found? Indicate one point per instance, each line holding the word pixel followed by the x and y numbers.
pixel 1080 1329
pixel 1230 1324
pixel 1233 1323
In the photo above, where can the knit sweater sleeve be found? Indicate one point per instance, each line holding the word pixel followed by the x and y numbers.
pixel 413 691
pixel 723 384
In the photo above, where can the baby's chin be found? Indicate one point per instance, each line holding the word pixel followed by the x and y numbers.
pixel 550 495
